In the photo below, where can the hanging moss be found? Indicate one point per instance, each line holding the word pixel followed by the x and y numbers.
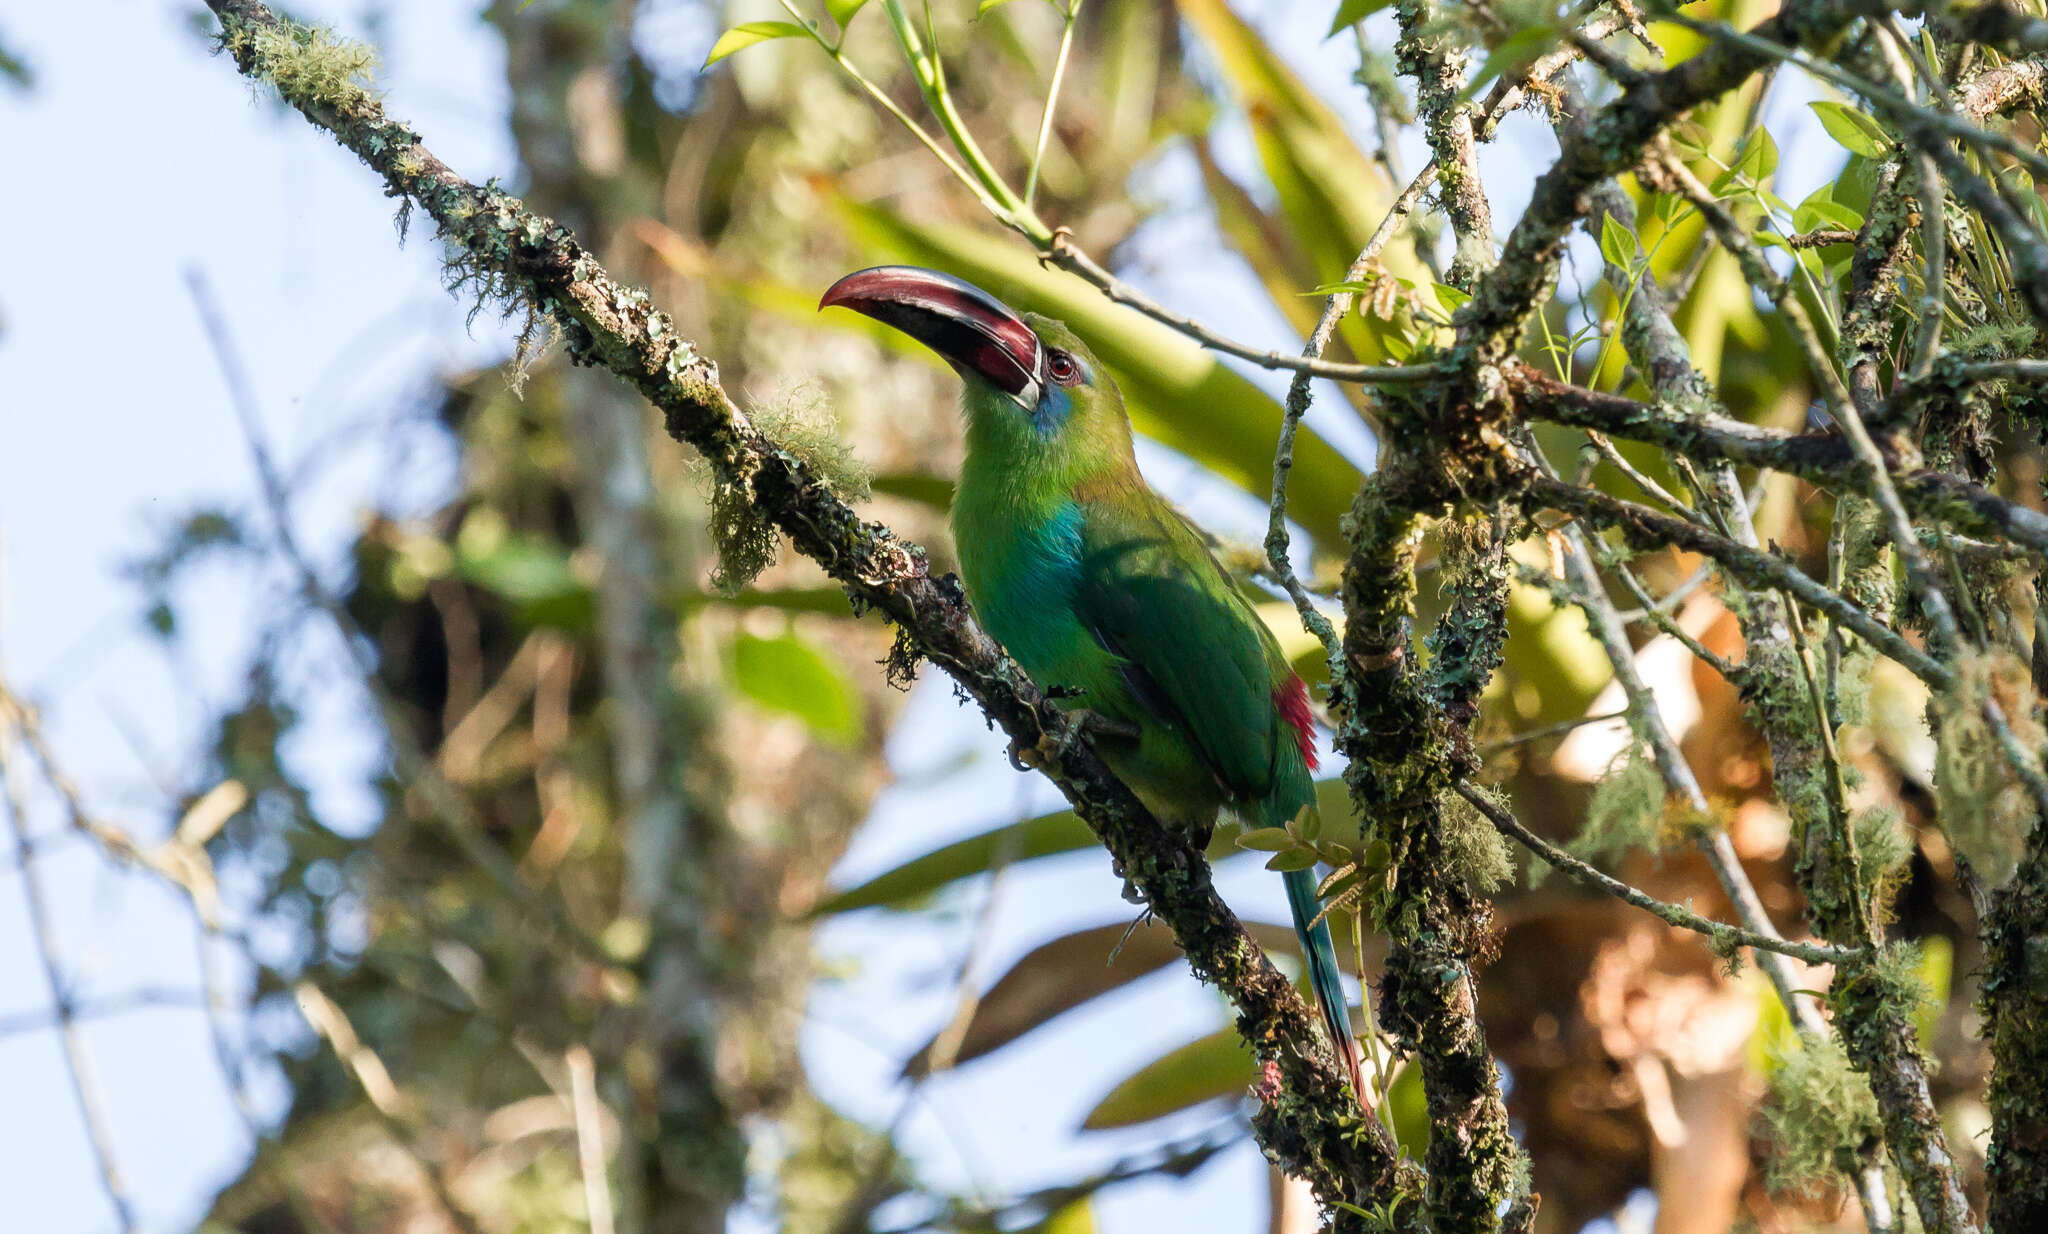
pixel 1883 846
pixel 802 425
pixel 1984 808
pixel 801 421
pixel 1818 1118
pixel 1474 849
pixel 1626 813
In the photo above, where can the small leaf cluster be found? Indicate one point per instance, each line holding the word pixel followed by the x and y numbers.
pixel 1355 876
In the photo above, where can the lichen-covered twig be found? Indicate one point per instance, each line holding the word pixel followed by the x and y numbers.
pixel 1721 935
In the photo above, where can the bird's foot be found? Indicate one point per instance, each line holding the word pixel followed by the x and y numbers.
pixel 1097 726
pixel 1131 894
pixel 1042 753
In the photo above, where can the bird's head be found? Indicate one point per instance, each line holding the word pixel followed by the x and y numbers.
pixel 1031 381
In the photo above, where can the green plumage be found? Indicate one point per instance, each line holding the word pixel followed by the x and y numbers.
pixel 1096 585
pixel 1103 592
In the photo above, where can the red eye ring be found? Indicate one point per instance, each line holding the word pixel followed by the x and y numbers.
pixel 1062 367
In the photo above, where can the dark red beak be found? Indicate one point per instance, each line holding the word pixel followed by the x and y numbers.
pixel 969 327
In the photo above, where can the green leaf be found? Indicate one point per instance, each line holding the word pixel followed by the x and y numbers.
pixel 1812 215
pixel 1214 1067
pixel 1045 836
pixel 1266 840
pixel 1351 12
pixel 1048 835
pixel 1072 971
pixel 533 573
pixel 1853 130
pixel 1293 859
pixel 842 11
pixel 788 675
pixel 1075 1218
pixel 1515 53
pixel 750 33
pixel 1754 162
pixel 829 600
pixel 1329 194
pixel 1450 298
pixel 920 487
pixel 1617 244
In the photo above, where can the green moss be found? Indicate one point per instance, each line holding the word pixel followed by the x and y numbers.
pixel 1474 849
pixel 1883 846
pixel 309 65
pixel 802 425
pixel 1818 1118
pixel 802 422
pixel 1626 812
pixel 1984 808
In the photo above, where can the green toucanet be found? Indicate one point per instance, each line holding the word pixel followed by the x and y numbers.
pixel 1103 592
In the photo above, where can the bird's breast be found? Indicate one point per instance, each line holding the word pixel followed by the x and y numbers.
pixel 1021 568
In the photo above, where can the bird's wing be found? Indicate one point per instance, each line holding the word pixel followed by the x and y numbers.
pixel 1188 644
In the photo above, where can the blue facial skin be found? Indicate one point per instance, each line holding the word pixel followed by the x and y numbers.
pixel 1054 405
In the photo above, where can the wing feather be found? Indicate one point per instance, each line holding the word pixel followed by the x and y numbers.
pixel 1189 645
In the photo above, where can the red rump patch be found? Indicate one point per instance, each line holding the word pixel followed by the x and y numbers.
pixel 1292 700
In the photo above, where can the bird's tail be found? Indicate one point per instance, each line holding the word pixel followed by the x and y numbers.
pixel 1324 977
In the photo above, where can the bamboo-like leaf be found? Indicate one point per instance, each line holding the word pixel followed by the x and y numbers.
pixel 1073 970
pixel 1045 836
pixel 1515 53
pixel 789 675
pixel 915 880
pixel 1330 193
pixel 842 11
pixel 920 487
pixel 1077 1217
pixel 1214 1067
pixel 747 34
pixel 829 600
pixel 1266 840
pixel 1351 12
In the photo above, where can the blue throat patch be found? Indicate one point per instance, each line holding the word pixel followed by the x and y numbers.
pixel 1054 406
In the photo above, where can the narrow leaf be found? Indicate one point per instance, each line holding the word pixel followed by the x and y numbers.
pixel 1214 1067
pixel 1266 840
pixel 1515 53
pixel 1351 12
pixel 1074 970
pixel 789 675
pixel 750 33
pixel 842 11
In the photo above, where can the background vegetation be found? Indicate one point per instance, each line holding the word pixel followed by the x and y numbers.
pixel 561 983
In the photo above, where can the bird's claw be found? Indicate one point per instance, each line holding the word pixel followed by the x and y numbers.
pixel 1097 726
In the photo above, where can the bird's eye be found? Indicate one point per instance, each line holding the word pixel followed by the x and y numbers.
pixel 1062 367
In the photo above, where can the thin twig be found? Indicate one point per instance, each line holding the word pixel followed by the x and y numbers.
pixel 1722 935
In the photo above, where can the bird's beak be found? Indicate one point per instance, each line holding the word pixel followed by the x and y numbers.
pixel 966 325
